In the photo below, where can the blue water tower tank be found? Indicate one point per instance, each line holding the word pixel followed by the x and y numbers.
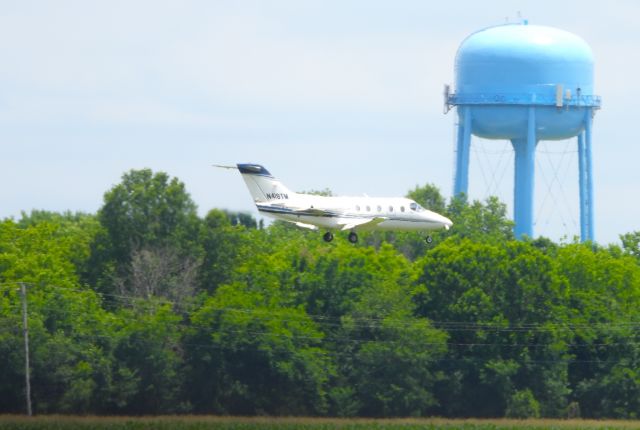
pixel 525 83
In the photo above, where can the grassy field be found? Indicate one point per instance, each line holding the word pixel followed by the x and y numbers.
pixel 56 422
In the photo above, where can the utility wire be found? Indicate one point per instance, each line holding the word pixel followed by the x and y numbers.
pixel 364 321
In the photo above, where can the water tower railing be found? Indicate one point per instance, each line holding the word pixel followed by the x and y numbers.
pixel 524 99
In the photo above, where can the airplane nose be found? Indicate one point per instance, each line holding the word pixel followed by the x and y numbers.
pixel 446 222
pixel 440 219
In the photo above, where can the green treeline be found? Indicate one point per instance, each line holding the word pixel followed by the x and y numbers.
pixel 147 308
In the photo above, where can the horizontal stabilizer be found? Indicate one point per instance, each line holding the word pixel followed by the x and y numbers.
pixel 362 223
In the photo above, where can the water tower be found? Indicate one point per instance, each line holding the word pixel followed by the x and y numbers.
pixel 525 83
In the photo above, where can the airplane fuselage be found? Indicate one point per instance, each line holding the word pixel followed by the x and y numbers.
pixel 334 213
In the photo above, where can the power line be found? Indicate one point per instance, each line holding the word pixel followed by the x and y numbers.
pixel 370 322
pixel 381 325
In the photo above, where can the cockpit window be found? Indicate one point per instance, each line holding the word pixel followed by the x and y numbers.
pixel 416 207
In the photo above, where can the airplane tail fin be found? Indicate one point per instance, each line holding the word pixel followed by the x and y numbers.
pixel 262 185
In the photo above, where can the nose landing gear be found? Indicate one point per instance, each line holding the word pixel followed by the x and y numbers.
pixel 428 239
pixel 328 236
pixel 353 237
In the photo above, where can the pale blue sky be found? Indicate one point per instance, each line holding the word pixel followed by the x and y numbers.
pixel 339 94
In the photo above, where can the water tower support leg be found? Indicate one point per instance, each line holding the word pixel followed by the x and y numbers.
pixel 582 181
pixel 525 150
pixel 461 184
pixel 589 166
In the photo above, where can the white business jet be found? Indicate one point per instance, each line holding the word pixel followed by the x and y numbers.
pixel 352 214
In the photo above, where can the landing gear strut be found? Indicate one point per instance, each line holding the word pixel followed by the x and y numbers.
pixel 353 237
pixel 328 236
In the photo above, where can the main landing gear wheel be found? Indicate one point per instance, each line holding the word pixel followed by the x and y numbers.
pixel 328 236
pixel 428 239
pixel 353 237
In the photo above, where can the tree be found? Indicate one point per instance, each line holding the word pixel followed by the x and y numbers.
pixel 360 298
pixel 146 211
pixel 631 243
pixel 386 354
pixel 224 248
pixel 67 326
pixel 255 353
pixel 242 218
pixel 604 305
pixel 149 356
pixel 522 404
pixel 160 272
pixel 79 228
pixel 498 302
pixel 482 222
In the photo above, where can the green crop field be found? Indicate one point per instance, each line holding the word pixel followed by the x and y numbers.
pixel 238 423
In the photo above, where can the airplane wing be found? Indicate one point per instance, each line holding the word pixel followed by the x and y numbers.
pixel 311 212
pixel 309 226
pixel 352 223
